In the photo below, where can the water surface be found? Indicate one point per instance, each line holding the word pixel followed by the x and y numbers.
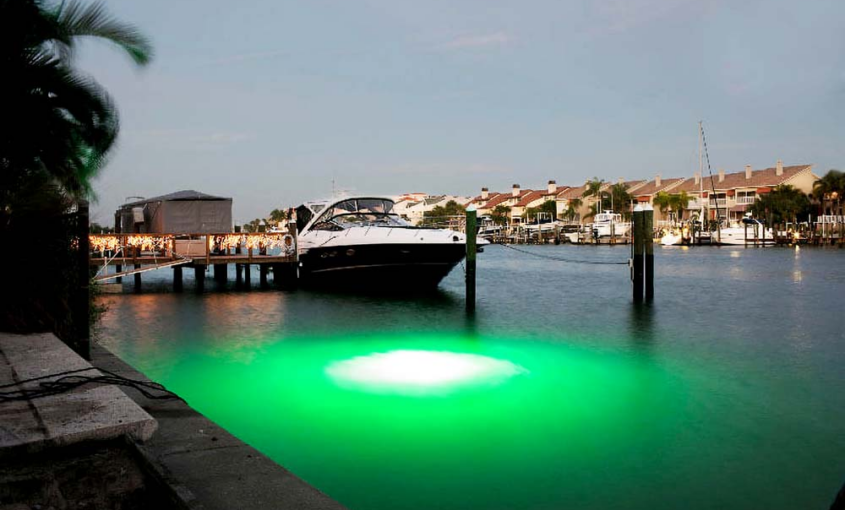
pixel 728 392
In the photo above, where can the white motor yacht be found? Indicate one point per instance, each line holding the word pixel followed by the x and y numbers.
pixel 359 243
pixel 750 231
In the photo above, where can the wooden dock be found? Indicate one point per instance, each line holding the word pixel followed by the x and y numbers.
pixel 135 254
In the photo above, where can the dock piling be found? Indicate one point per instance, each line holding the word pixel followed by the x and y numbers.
pixel 177 279
pixel 639 238
pixel 199 275
pixel 648 239
pixel 471 238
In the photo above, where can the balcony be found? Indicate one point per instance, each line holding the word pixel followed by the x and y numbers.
pixel 745 200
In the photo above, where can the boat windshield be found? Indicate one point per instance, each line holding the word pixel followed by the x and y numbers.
pixel 359 212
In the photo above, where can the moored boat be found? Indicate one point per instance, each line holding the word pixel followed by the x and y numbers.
pixel 360 244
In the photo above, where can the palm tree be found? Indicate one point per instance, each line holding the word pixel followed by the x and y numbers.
pixel 593 189
pixel 60 124
pixel 679 202
pixel 830 187
pixel 663 201
pixel 621 199
pixel 572 206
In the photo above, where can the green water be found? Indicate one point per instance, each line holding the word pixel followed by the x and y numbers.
pixel 559 394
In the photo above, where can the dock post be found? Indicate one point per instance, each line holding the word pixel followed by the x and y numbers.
pixel 177 279
pixel 639 235
pixel 199 275
pixel 246 275
pixel 220 275
pixel 648 239
pixel 262 275
pixel 118 268
pixel 239 275
pixel 471 233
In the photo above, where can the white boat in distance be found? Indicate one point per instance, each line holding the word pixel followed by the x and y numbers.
pixel 360 244
pixel 604 225
pixel 749 231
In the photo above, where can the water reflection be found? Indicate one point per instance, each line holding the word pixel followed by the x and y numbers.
pixel 641 323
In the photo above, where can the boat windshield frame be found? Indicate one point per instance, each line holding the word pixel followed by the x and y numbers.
pixel 358 212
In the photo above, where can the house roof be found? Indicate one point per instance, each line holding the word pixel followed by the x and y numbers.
pixel 504 197
pixel 571 192
pixel 532 196
pixel 187 194
pixel 759 178
pixel 651 187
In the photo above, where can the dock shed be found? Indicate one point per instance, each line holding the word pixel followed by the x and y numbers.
pixel 182 212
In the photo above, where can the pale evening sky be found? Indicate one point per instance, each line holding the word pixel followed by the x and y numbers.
pixel 268 101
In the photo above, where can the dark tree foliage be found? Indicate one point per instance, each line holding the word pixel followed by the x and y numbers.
pixel 783 204
pixel 56 130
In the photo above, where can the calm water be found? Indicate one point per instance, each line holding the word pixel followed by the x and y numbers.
pixel 728 392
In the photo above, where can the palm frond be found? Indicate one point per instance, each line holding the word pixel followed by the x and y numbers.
pixel 77 20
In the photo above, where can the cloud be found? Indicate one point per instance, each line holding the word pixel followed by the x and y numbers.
pixel 466 42
pixel 244 57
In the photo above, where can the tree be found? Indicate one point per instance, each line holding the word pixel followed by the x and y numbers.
pixel 572 206
pixel 277 216
pixel 547 208
pixel 783 204
pixel 58 124
pixel 830 188
pixel 675 202
pixel 620 200
pixel 440 214
pixel 593 188
pixel 56 132
pixel 500 214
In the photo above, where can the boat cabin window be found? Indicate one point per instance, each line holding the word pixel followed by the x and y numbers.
pixel 358 212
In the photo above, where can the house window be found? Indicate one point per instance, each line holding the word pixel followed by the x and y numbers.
pixel 746 197
pixel 717 199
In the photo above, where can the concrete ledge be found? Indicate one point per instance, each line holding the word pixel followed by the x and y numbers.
pixel 83 414
pixel 205 466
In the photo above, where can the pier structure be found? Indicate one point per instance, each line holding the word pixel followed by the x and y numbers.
pixel 135 254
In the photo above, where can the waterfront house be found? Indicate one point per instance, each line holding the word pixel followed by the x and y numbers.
pixel 645 194
pixel 732 193
pixel 505 199
pixel 534 198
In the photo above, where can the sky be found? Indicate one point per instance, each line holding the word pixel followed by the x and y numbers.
pixel 275 102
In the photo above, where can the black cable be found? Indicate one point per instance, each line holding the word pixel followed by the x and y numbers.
pixel 561 259
pixel 68 381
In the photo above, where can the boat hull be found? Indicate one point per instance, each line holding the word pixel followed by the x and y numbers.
pixel 379 267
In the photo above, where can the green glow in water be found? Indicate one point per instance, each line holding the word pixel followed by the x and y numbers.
pixel 416 421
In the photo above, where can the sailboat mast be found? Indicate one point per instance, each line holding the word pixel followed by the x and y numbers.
pixel 700 177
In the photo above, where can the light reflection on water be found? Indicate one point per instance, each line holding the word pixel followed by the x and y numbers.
pixel 732 380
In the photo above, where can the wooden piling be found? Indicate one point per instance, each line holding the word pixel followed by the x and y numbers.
pixel 177 279
pixel 471 237
pixel 239 274
pixel 220 273
pixel 199 275
pixel 648 239
pixel 639 237
pixel 262 275
pixel 246 275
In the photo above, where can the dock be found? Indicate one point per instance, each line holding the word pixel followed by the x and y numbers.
pixel 135 254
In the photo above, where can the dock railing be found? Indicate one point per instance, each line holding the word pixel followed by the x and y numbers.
pixel 203 249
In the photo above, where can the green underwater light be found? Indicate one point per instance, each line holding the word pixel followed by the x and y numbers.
pixel 420 372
